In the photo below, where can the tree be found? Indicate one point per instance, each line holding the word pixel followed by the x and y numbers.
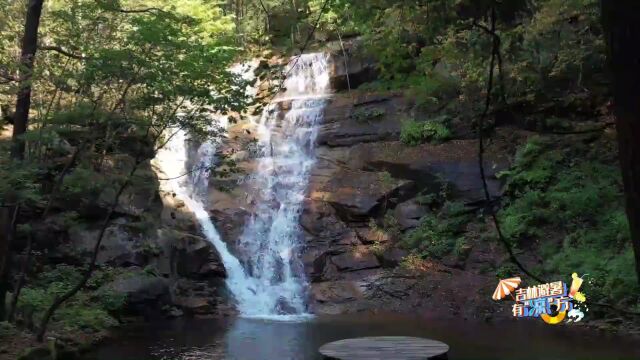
pixel 150 72
pixel 8 214
pixel 27 58
pixel 621 22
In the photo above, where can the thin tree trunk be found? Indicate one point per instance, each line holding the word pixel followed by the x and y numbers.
pixel 346 62
pixel 621 22
pixel 20 122
pixel 8 217
pixel 21 279
pixel 23 102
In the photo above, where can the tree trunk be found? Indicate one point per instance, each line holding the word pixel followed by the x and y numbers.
pixel 8 215
pixel 621 22
pixel 23 103
pixel 21 279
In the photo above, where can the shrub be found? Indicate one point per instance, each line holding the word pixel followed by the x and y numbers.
pixel 7 329
pixel 438 233
pixel 414 133
pixel 88 310
pixel 84 318
pixel 366 114
pixel 577 205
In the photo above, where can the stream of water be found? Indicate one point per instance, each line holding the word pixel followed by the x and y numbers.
pixel 268 281
pixel 271 239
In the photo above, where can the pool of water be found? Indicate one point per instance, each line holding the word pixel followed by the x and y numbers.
pixel 240 339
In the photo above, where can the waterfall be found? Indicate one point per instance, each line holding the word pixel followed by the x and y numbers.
pixel 269 282
pixel 286 136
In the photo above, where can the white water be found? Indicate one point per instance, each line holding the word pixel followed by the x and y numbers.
pixel 269 281
pixel 272 235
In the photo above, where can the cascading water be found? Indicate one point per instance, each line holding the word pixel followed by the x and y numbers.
pixel 172 160
pixel 271 237
pixel 269 281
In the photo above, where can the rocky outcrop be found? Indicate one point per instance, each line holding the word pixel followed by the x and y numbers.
pixel 364 118
pixel 141 290
pixel 364 181
pixel 350 69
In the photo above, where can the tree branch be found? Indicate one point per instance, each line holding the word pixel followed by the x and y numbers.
pixel 485 187
pixel 62 51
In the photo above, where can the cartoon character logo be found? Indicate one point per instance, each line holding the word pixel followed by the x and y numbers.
pixel 552 302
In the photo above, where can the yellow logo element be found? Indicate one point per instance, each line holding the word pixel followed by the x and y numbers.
pixel 575 284
pixel 553 320
pixel 579 297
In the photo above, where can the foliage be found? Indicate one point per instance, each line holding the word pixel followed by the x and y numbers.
pixel 89 311
pixel 438 50
pixel 415 133
pixel 572 198
pixel 367 114
pixel 113 81
pixel 7 329
pixel 438 233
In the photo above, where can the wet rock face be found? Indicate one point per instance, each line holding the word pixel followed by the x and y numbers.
pixel 365 119
pixel 363 176
pixel 358 258
pixel 359 195
pixel 349 70
pixel 197 258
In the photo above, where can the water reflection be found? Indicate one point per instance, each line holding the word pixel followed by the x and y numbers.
pixel 248 339
pixel 274 340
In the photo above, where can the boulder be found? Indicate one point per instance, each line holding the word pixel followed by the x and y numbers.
pixel 319 266
pixel 409 214
pixel 345 61
pixel 392 257
pixel 370 236
pixel 429 165
pixel 369 118
pixel 141 288
pixel 119 246
pixel 194 305
pixel 359 195
pixel 336 292
pixel 197 258
pixel 175 214
pixel 186 255
pixel 139 198
pixel 360 258
pixel 195 297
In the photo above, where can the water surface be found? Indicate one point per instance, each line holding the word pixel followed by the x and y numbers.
pixel 240 339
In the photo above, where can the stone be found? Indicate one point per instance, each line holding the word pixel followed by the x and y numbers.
pixel 284 308
pixel 230 224
pixel 370 236
pixel 186 255
pixel 359 70
pixel 140 288
pixel 365 120
pixel 197 258
pixel 194 305
pixel 393 256
pixel 409 214
pixel 336 292
pixel 119 247
pixel 429 165
pixel 359 195
pixel 358 259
